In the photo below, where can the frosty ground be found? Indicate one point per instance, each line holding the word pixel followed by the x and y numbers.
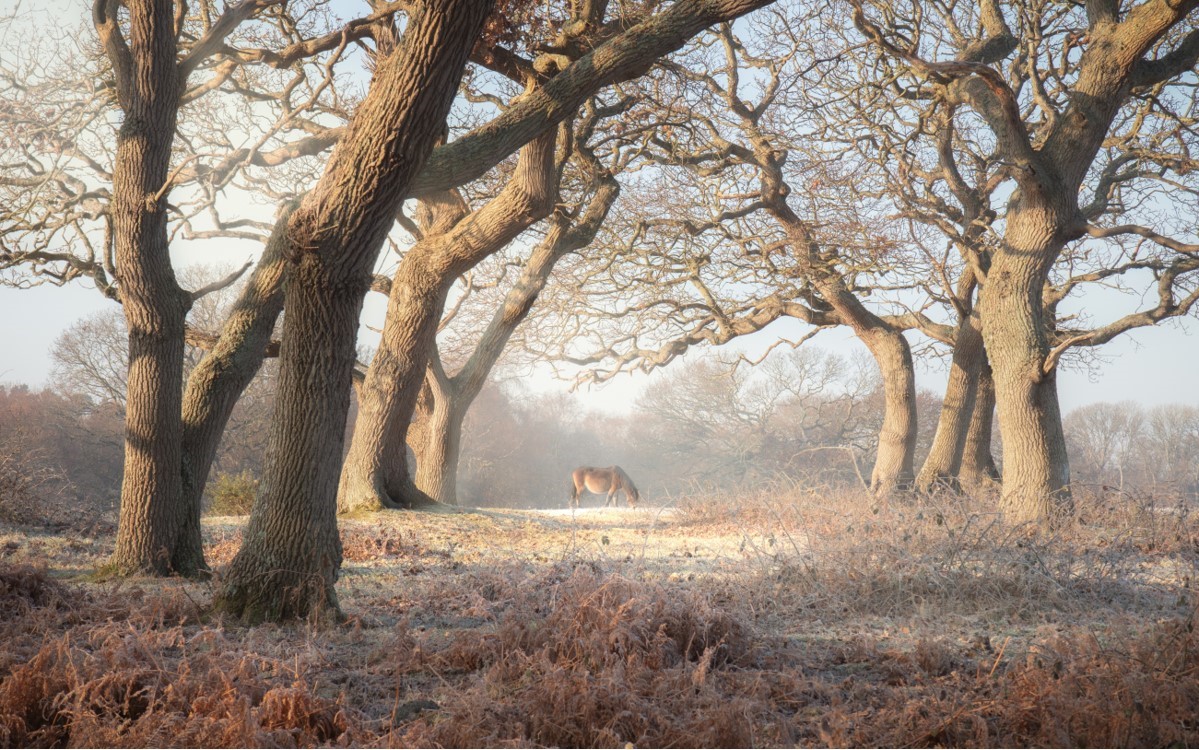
pixel 792 617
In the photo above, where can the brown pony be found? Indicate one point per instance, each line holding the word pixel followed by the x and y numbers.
pixel 600 481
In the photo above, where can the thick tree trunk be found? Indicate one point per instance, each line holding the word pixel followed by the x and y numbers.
pixel 218 381
pixel 151 519
pixel 376 475
pixel 1042 215
pixel 371 479
pixel 1036 469
pixel 418 427
pixel 978 469
pixel 291 552
pixel 438 453
pixel 895 460
pixel 287 565
pixel 387 465
pixel 944 461
pixel 894 464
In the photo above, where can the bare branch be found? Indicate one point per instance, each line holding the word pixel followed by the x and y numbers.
pixel 1140 231
pixel 211 42
pixel 220 284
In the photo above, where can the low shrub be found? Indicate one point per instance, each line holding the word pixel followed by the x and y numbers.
pixel 31 491
pixel 232 494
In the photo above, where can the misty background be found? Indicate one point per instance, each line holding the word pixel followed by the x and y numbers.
pixel 703 424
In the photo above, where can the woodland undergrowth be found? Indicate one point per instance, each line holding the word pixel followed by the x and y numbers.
pixel 839 621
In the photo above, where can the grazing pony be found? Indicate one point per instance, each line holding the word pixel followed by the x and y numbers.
pixel 601 481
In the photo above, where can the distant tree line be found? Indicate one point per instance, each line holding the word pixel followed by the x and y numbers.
pixel 1129 446
pixel 706 425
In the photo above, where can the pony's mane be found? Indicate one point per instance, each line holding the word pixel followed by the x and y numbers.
pixel 624 477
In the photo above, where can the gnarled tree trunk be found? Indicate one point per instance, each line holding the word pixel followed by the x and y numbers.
pixel 287 565
pixel 371 479
pixel 291 552
pixel 1123 53
pixel 894 464
pixel 944 461
pixel 438 443
pixel 1036 469
pixel 446 400
pixel 218 381
pixel 375 477
pixel 978 469
pixel 148 87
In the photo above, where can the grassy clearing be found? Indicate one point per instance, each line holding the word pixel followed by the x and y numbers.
pixel 783 618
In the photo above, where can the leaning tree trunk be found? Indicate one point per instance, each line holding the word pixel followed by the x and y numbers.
pixel 291 552
pixel 944 461
pixel 375 475
pixel 218 381
pixel 978 469
pixel 896 455
pixel 1036 469
pixel 893 466
pixel 438 452
pixel 155 307
pixel 435 434
pixel 372 478
pixel 418 427
pixel 381 461
pixel 287 565
pixel 436 437
pixel 895 459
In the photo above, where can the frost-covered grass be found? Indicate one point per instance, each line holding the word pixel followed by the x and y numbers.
pixel 790 617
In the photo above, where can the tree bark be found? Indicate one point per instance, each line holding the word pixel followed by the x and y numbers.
pixel 445 400
pixel 944 461
pixel 155 307
pixel 374 476
pixel 894 465
pixel 287 565
pixel 978 469
pixel 895 460
pixel 1036 469
pixel 218 381
pixel 437 445
pixel 1043 214
pixel 388 470
pixel 896 455
pixel 290 553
